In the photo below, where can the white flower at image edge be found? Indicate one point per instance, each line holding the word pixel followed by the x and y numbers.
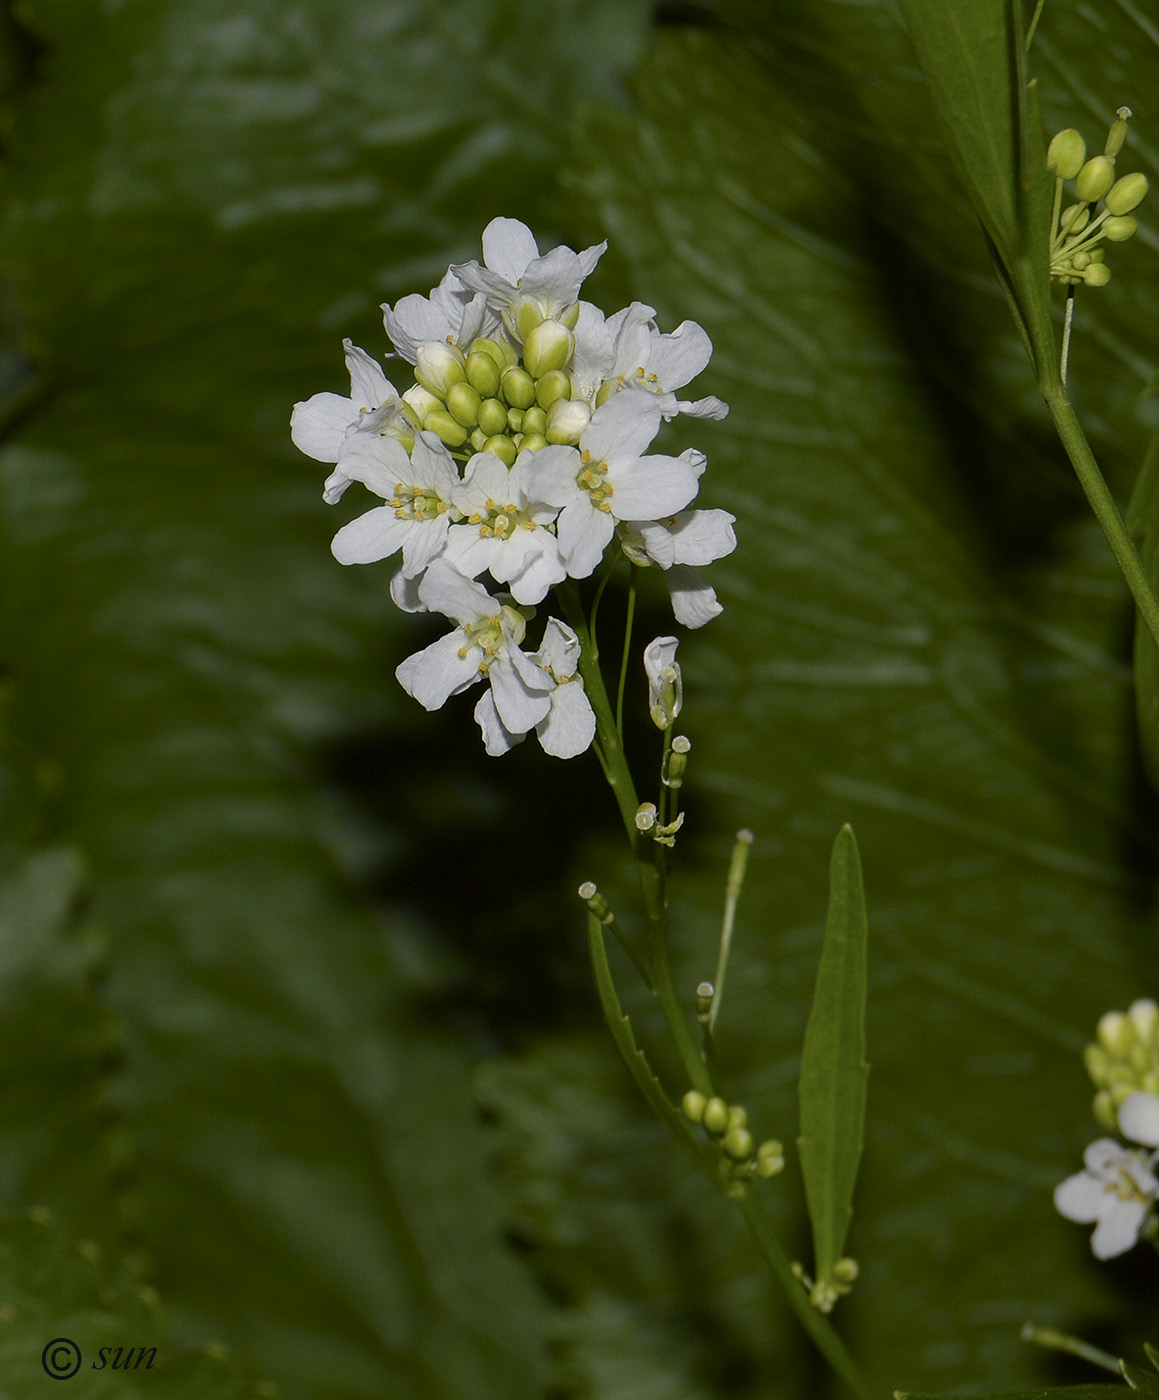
pixel 485 645
pixel 1114 1193
pixel 570 725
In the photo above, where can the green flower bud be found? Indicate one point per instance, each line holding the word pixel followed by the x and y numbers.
pixel 515 419
pixel 452 432
pixel 715 1117
pixel 1078 261
pixel 1098 254
pixel 527 317
pixel 1114 1032
pixel 846 1270
pixel 737 1117
pixel 438 366
pixel 738 1144
pixel 1120 228
pixel 770 1158
pixel 500 351
pixel 556 384
pixel 535 421
pixel 693 1104
pixel 463 404
pixel 1097 275
pixel 1117 134
pixel 1075 218
pixel 501 447
pixel 1097 1062
pixel 479 439
pixel 1095 179
pixel 420 403
pixel 1104 1107
pixel 1065 154
pixel 1127 194
pixel 518 388
pixel 493 416
pixel 571 316
pixel 548 347
pixel 532 442
pixel 483 373
pixel 676 764
pixel 606 390
pixel 566 421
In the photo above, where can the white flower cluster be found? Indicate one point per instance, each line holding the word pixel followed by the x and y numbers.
pixel 1118 1190
pixel 520 452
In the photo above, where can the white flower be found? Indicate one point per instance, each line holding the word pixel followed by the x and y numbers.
pixel 570 725
pixel 1139 1116
pixel 319 425
pixel 1117 1190
pixel 594 353
pixel 515 277
pixel 677 545
pixel 647 359
pixel 665 682
pixel 609 479
pixel 485 645
pixel 504 529
pixel 453 313
pixel 418 493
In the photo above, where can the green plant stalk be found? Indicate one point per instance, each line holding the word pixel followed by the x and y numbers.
pixel 1074 440
pixel 651 883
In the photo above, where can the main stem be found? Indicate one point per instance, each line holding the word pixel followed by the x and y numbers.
pixel 1103 504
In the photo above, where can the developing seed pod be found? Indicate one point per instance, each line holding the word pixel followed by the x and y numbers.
pixel 1095 179
pixel 1127 194
pixel 1066 153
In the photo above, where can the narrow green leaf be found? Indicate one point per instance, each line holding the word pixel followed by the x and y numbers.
pixel 1146 1382
pixel 833 1067
pixel 1042 1392
pixel 1143 523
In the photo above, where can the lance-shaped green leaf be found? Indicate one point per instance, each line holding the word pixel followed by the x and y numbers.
pixel 1145 1382
pixel 833 1067
pixel 973 54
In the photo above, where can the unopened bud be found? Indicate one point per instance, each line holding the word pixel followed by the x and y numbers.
pixel 1104 1107
pixel 1075 218
pixel 548 347
pixel 449 429
pixel 479 439
pixel 738 1144
pixel 515 420
pixel 463 404
pixel 1120 228
pixel 570 317
pixel 1097 275
pixel 502 447
pixel 500 351
pixel 420 403
pixel 492 416
pixel 566 421
pixel 846 1270
pixel 1095 179
pixel 1066 153
pixel 555 384
pixel 694 1103
pixel 1128 193
pixel 1114 1031
pixel 674 767
pixel 715 1117
pixel 438 366
pixel 531 442
pixel 606 390
pixel 534 421
pixel 1117 134
pixel 484 373
pixel 737 1116
pixel 527 317
pixel 518 388
pixel 770 1158
pixel 665 683
pixel 1097 1062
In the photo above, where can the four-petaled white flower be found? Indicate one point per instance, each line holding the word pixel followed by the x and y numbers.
pixel 504 529
pixel 453 313
pixel 418 493
pixel 608 478
pixel 484 646
pixel 514 276
pixel 1116 1190
pixel 646 358
pixel 570 725
pixel 678 545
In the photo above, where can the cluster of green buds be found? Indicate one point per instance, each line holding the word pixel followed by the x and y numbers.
pixel 823 1293
pixel 1124 1059
pixel 1077 230
pixel 727 1125
pixel 498 400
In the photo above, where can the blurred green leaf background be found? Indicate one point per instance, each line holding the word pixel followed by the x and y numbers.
pixel 298 1029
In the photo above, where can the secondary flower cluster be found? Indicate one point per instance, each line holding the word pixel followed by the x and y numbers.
pixel 521 452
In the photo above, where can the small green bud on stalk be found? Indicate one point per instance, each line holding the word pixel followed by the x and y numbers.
pixel 1144 1016
pixel 1117 134
pixel 463 404
pixel 715 1117
pixel 1115 1032
pixel 535 421
pixel 1075 218
pixel 1095 179
pixel 1066 153
pixel 1104 1107
pixel 1079 261
pixel 556 384
pixel 1097 275
pixel 738 1144
pixel 502 447
pixel 1119 228
pixel 566 421
pixel 694 1103
pixel 479 439
pixel 515 420
pixel 493 416
pixel 483 373
pixel 527 317
pixel 737 1116
pixel 503 354
pixel 449 429
pixel 518 388
pixel 770 1158
pixel 1127 194
pixel 532 442
pixel 549 347
pixel 846 1270
pixel 438 366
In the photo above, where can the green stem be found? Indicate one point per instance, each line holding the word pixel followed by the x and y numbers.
pixel 820 1330
pixel 1068 321
pixel 1059 1341
pixel 1103 504
pixel 626 653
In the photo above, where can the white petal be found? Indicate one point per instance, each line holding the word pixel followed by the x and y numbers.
pixel 549 475
pixel 318 425
pixel 380 463
pixel 432 466
pixel 679 357
pixel 508 247
pixel 369 386
pixel 710 407
pixel 1139 1118
pixel 334 487
pixel 1104 1156
pixel 1118 1230
pixel 497 738
pixel 570 725
pixel 583 533
pixel 518 706
pixel 648 488
pixel 445 590
pixel 622 429
pixel 700 536
pixel 591 362
pixel 553 280
pixel 440 670
pixel 404 593
pixel 423 544
pixel 1081 1197
pixel 376 535
pixel 693 601
pixel 560 649
pixel 590 256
